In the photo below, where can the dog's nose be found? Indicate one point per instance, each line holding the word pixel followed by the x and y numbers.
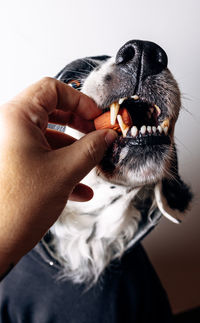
pixel 146 57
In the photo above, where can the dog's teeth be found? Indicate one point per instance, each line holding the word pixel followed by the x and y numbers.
pixel 165 123
pixel 121 100
pixel 157 109
pixel 159 129
pixel 149 129
pixel 135 97
pixel 166 130
pixel 134 131
pixel 114 109
pixel 143 130
pixel 124 128
pixel 154 129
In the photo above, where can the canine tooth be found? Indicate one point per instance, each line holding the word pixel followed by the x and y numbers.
pixel 149 129
pixel 143 130
pixel 165 123
pixel 134 131
pixel 121 100
pixel 159 129
pixel 114 109
pixel 135 97
pixel 157 109
pixel 154 129
pixel 124 128
pixel 166 130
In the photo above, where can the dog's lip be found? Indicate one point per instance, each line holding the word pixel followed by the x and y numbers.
pixel 147 140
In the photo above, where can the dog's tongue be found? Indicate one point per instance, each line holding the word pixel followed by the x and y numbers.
pixel 122 123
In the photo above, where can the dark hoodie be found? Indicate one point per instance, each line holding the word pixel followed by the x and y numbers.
pixel 129 291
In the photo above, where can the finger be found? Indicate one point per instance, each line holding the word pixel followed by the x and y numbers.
pixel 60 117
pixel 81 193
pixel 43 97
pixel 72 120
pixel 57 139
pixel 76 161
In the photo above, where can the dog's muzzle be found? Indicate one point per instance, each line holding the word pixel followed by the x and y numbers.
pixel 135 62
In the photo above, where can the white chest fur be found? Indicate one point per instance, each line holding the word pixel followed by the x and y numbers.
pixel 89 235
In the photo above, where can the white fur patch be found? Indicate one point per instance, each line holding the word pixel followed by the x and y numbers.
pixel 89 235
pixel 94 85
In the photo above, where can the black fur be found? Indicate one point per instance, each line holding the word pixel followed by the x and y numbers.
pixel 80 68
pixel 176 192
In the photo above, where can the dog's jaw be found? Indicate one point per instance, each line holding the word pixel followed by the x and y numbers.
pixel 129 171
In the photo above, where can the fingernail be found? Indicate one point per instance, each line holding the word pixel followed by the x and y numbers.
pixel 110 137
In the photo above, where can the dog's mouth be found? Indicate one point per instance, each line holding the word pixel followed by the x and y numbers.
pixel 137 120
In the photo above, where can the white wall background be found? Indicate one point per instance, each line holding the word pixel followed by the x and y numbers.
pixel 39 37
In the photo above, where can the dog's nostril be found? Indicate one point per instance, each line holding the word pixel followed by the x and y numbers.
pixel 154 59
pixel 125 54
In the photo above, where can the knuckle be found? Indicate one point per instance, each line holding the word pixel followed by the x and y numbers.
pixel 47 80
pixel 45 93
pixel 92 152
pixel 47 84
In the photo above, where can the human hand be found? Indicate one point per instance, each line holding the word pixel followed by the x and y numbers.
pixel 39 168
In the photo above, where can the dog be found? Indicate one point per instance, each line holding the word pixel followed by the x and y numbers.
pixel 136 183
pixel 139 174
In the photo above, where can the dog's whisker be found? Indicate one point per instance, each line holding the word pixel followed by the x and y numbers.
pixel 183 145
pixel 194 116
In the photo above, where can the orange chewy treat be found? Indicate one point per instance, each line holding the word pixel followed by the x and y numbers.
pixel 103 121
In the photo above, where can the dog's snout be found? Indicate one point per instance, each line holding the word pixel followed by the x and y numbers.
pixel 145 57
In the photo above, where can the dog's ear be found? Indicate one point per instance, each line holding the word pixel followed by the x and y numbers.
pixel 176 192
pixel 80 68
pixel 172 195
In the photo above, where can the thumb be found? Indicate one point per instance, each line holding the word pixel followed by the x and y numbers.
pixel 78 159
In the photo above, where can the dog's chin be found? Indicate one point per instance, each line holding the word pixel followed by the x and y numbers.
pixel 128 164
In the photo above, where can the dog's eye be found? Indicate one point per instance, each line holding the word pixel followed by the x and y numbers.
pixel 75 84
